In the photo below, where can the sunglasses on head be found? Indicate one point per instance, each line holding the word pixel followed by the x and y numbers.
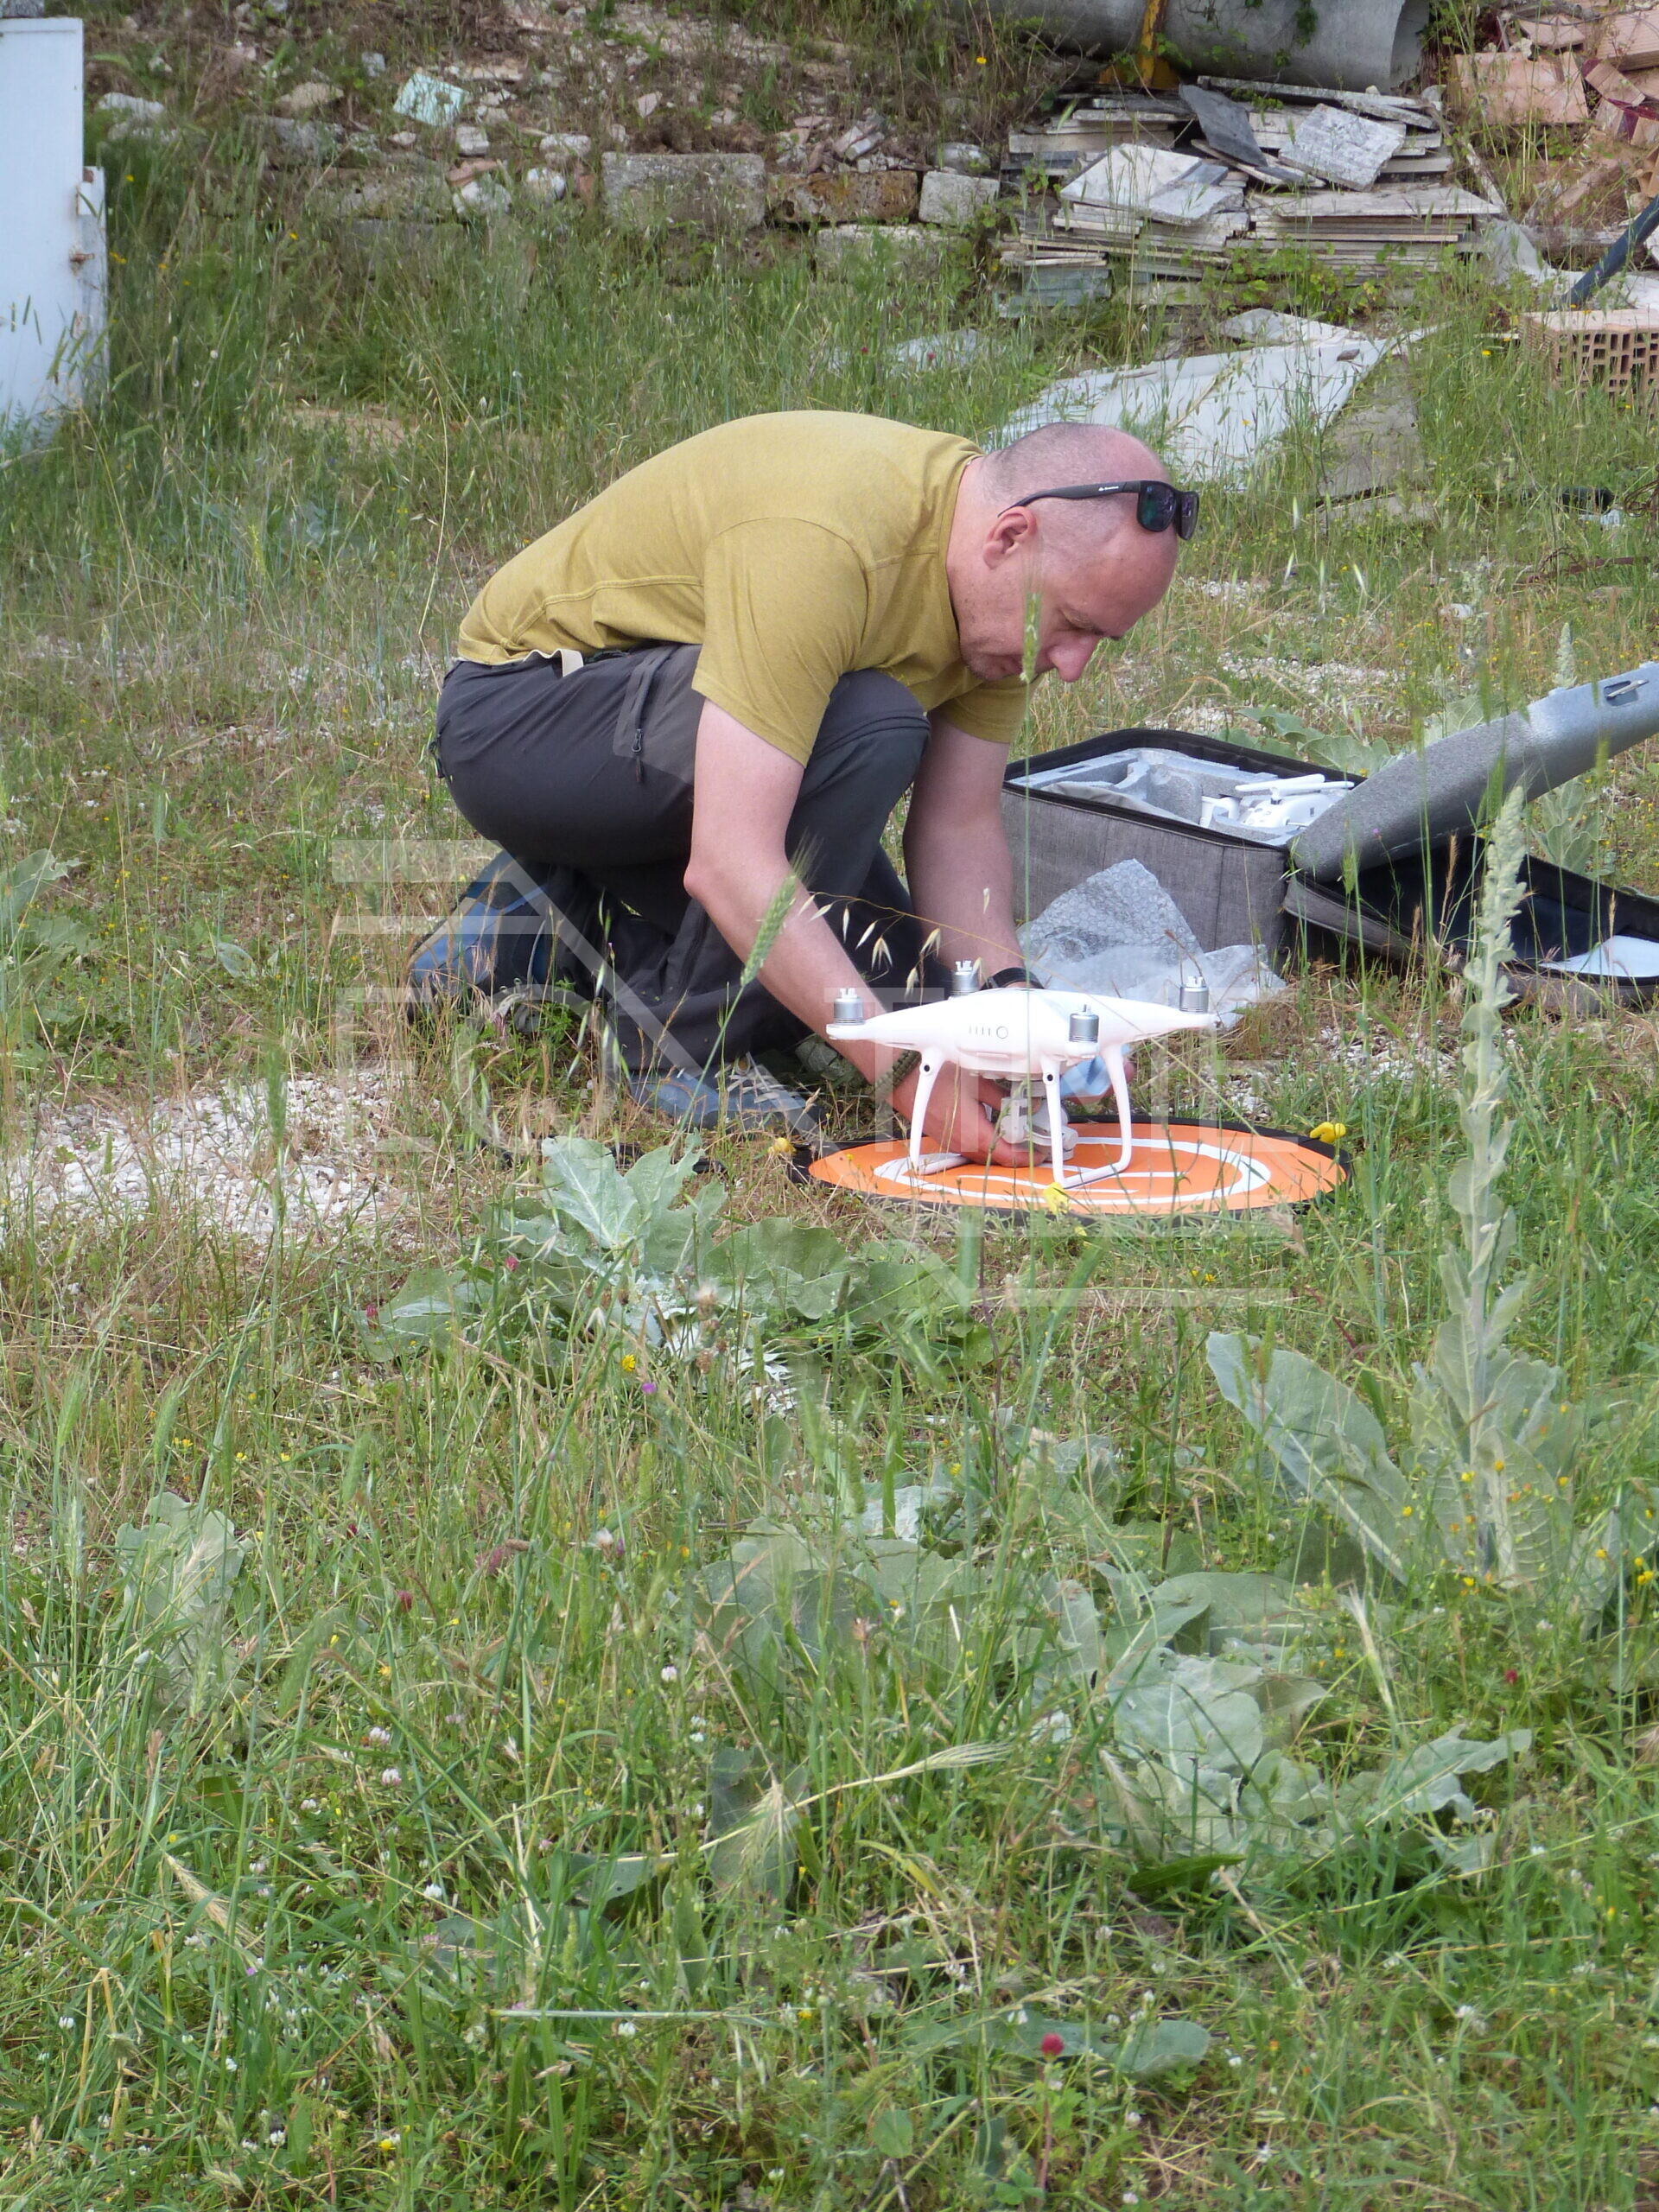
pixel 1157 506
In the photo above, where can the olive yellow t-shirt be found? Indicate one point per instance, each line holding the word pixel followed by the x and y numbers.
pixel 792 549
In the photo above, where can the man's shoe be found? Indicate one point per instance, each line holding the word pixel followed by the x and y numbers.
pixel 742 1096
pixel 496 939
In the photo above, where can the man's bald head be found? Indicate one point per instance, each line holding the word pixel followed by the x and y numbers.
pixel 1088 562
pixel 1071 453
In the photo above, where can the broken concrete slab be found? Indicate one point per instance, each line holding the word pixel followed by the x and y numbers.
pixel 956 202
pixel 1272 326
pixel 710 192
pixel 845 249
pixel 1214 416
pixel 1341 147
pixel 1228 131
pixel 872 196
pixel 1373 444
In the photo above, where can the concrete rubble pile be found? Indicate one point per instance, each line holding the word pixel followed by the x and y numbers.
pixel 1150 190
pixel 1148 187
pixel 1572 89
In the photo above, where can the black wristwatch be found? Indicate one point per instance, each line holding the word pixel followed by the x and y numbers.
pixel 1006 976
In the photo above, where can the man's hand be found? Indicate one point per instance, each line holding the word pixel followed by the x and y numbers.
pixel 961 1115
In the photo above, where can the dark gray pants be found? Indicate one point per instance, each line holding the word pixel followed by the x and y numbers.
pixel 587 780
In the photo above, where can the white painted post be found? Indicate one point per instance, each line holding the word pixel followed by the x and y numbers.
pixel 53 264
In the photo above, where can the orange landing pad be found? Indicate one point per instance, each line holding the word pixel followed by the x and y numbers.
pixel 1177 1167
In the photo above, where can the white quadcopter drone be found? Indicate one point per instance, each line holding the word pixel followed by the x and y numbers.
pixel 1024 1034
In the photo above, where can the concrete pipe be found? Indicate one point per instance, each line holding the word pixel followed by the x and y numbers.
pixel 1354 46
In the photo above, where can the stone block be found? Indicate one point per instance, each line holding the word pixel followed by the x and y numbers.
pixel 129 105
pixel 875 196
pixel 406 195
pixel 847 248
pixel 484 195
pixel 308 98
pixel 709 192
pixel 303 145
pixel 954 201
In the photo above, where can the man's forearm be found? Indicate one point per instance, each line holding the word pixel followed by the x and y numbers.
pixel 961 885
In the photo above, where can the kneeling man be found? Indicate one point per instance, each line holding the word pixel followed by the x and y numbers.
pixel 724 674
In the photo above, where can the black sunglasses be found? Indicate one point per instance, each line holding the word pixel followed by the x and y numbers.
pixel 1156 506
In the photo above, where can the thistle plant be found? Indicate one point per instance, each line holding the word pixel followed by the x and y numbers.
pixel 1495 1443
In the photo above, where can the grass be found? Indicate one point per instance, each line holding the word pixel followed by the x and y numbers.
pixel 402 1898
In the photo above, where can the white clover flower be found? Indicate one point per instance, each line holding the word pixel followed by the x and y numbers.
pixel 435 1891
pixel 378 1736
pixel 391 1775
pixel 671 1675
pixel 625 2028
pixel 310 1805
